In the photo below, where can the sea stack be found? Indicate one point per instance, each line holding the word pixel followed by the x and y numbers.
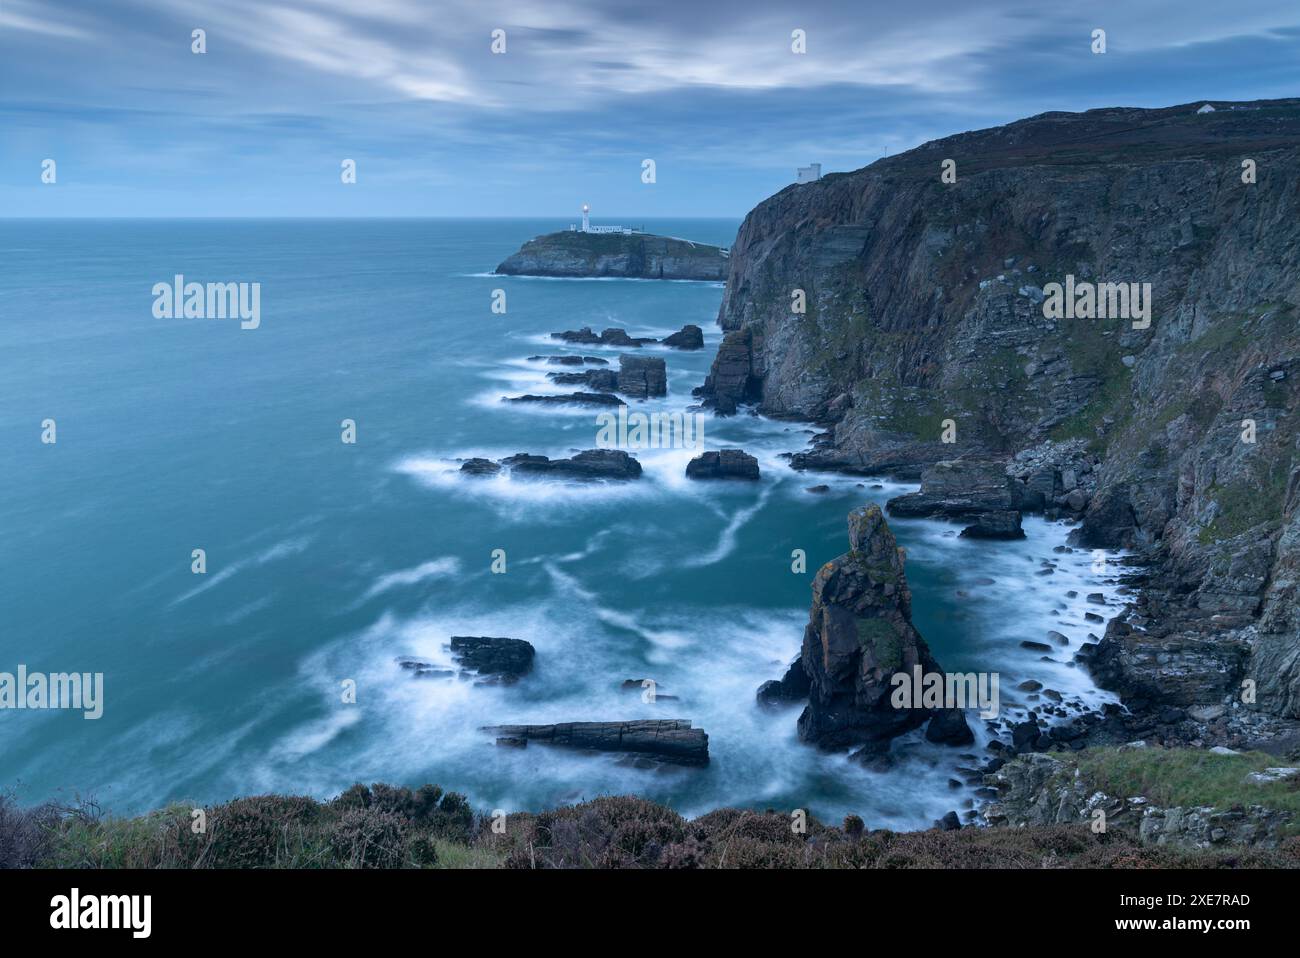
pixel 859 636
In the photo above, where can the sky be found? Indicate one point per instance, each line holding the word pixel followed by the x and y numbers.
pixel 585 91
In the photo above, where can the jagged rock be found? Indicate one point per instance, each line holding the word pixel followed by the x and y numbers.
pixel 688 337
pixel 642 376
pixel 589 464
pixel 723 464
pixel 994 525
pixel 859 635
pixel 503 660
pixel 665 740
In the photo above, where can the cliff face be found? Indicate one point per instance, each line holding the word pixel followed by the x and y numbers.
pixel 631 255
pixel 924 303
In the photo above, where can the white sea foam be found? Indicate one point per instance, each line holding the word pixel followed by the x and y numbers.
pixel 434 568
pixel 281 550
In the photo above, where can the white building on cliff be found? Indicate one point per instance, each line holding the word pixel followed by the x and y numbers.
pixel 808 174
pixel 588 228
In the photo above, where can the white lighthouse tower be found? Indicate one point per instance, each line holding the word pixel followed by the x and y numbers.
pixel 586 220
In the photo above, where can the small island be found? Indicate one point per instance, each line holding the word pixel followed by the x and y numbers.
pixel 616 251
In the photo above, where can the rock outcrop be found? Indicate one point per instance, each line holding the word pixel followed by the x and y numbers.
pixel 723 464
pixel 959 488
pixel 1037 789
pixel 567 399
pixel 632 255
pixel 489 660
pixel 928 315
pixel 638 377
pixel 671 741
pixel 497 659
pixel 859 635
pixel 688 337
pixel 586 465
pixel 642 377
pixel 612 336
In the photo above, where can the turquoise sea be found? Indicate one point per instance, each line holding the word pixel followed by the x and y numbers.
pixel 328 561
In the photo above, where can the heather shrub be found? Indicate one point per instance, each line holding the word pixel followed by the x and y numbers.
pixel 250 832
pixel 24 833
pixel 369 838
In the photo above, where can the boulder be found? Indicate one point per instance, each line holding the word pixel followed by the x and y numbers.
pixel 688 337
pixel 723 464
pixel 665 740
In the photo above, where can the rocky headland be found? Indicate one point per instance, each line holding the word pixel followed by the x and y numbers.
pixel 924 350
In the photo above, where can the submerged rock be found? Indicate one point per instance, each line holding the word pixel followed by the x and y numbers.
pixel 666 740
pixel 569 399
pixel 723 464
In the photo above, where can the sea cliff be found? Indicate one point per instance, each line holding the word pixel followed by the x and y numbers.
pixel 924 339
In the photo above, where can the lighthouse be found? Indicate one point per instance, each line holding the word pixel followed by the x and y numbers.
pixel 586 221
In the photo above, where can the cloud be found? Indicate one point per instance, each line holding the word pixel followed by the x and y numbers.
pixel 586 89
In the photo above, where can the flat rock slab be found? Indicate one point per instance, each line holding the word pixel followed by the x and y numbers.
pixel 669 740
